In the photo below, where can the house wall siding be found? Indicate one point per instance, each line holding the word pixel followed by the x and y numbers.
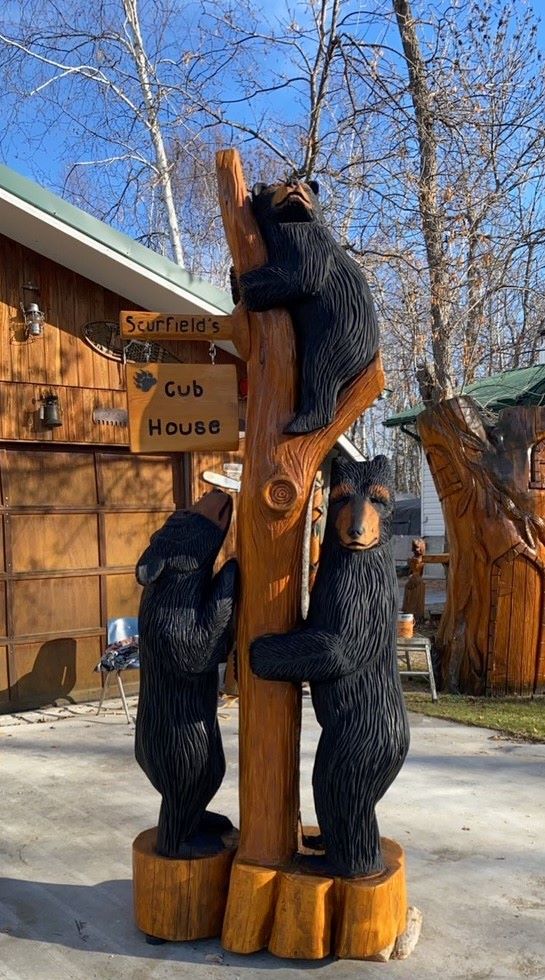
pixel 433 524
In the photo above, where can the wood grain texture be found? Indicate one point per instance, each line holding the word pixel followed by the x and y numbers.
pixel 492 633
pixel 277 482
pixel 249 915
pixel 179 899
pixel 303 917
pixel 373 910
pixel 297 915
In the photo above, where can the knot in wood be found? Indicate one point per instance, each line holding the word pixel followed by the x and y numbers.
pixel 280 493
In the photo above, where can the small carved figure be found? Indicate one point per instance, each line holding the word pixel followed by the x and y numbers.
pixel 346 649
pixel 185 629
pixel 324 290
pixel 414 595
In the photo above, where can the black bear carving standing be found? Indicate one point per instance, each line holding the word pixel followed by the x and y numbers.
pixel 324 290
pixel 185 628
pixel 346 649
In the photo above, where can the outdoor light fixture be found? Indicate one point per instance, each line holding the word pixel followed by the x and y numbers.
pixel 34 318
pixel 50 411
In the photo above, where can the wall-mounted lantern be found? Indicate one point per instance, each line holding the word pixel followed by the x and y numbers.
pixel 50 411
pixel 34 318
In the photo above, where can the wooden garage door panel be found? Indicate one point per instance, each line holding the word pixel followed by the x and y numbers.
pixel 3 625
pixel 51 478
pixel 123 595
pixel 58 668
pixel 4 689
pixel 2 559
pixel 127 535
pixel 54 541
pixel 138 480
pixel 56 605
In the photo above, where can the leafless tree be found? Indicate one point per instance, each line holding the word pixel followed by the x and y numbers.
pixel 111 81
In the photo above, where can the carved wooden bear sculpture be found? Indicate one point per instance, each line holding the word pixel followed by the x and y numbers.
pixel 347 651
pixel 324 290
pixel 185 627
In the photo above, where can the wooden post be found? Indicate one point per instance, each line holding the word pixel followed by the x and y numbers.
pixel 278 476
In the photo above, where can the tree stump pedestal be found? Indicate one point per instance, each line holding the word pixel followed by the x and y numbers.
pixel 180 899
pixel 300 915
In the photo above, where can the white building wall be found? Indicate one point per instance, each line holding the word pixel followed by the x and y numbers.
pixel 433 524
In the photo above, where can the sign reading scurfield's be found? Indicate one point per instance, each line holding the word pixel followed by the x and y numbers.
pixel 139 325
pixel 182 407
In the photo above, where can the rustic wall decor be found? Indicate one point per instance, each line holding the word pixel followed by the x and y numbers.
pixel 492 636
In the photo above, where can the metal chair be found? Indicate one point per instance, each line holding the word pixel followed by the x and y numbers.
pixel 121 654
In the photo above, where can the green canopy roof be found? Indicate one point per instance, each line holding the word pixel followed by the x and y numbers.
pixel 524 386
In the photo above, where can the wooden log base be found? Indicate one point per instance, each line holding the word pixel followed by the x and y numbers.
pixel 298 915
pixel 180 899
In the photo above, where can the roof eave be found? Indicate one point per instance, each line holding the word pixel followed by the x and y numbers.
pixel 113 260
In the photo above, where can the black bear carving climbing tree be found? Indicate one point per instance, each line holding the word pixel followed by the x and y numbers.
pixel 325 291
pixel 185 627
pixel 346 649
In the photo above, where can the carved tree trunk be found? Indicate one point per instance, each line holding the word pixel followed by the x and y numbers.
pixel 278 476
pixel 488 474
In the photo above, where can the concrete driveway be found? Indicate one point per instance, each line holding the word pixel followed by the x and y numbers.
pixel 469 808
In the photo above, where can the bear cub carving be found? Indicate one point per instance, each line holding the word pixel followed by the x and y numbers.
pixel 346 649
pixel 185 629
pixel 325 291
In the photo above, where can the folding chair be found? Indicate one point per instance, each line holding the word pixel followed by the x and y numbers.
pixel 121 654
pixel 417 644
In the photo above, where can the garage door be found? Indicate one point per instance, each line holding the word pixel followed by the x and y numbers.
pixel 73 524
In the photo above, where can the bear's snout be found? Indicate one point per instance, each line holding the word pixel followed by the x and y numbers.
pixel 358 524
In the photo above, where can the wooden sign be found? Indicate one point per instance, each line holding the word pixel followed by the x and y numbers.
pixel 182 407
pixel 137 325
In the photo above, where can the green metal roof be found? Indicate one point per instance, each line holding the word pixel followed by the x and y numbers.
pixel 524 386
pixel 98 231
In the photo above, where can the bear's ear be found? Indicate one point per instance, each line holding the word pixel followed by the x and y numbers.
pixel 314 186
pixel 149 567
pixel 258 189
pixel 339 469
pixel 381 469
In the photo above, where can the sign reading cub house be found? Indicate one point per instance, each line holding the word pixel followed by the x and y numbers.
pixel 182 407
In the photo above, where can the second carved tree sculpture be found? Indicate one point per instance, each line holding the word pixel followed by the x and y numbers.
pixel 347 651
pixel 185 624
